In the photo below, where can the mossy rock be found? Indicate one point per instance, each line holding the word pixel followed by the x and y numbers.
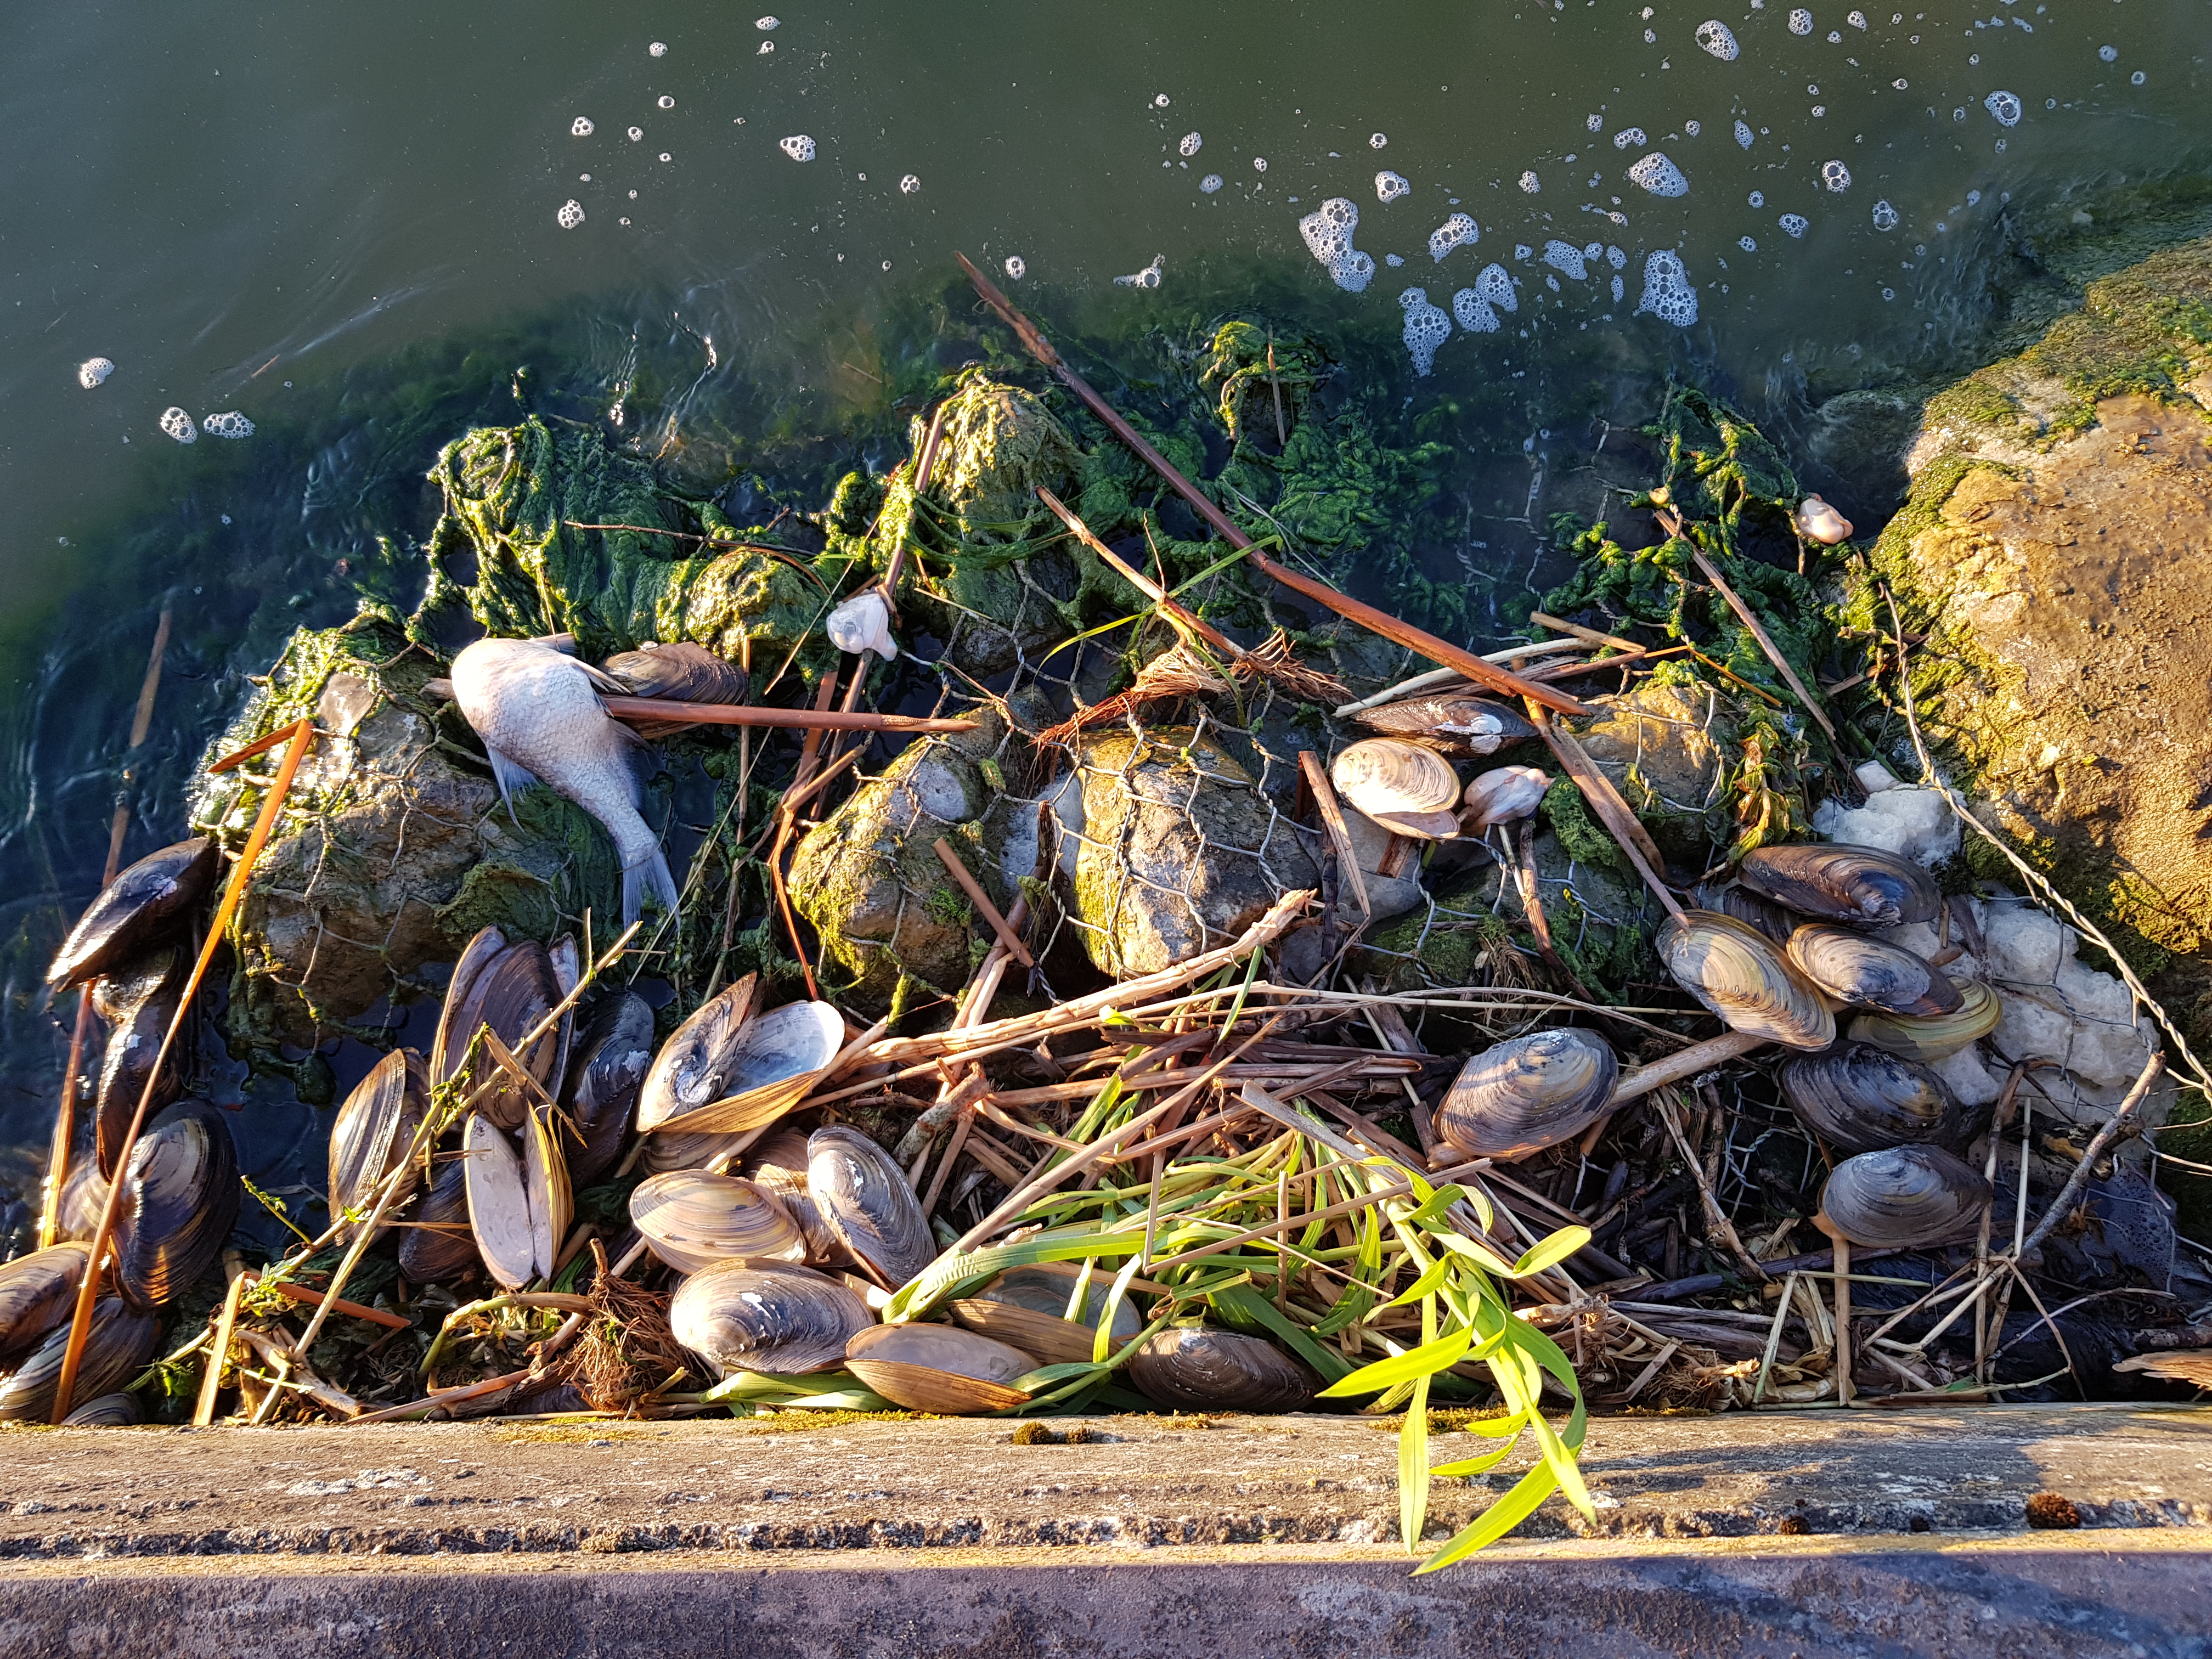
pixel 1669 749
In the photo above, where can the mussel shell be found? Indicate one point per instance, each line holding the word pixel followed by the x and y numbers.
pixel 116 1349
pixel 110 1411
pixel 1732 969
pixel 1027 1308
pixel 1867 972
pixel 437 1244
pixel 1382 775
pixel 779 1164
pixel 939 1368
pixel 446 1048
pixel 668 1151
pixel 1198 1368
pixel 741 1315
pixel 180 1198
pixel 139 1001
pixel 1470 723
pixel 690 1218
pixel 511 993
pixel 137 909
pixel 1904 1198
pixel 1753 909
pixel 1933 1036
pixel 865 1197
pixel 1503 794
pixel 1859 1099
pixel 681 672
pixel 1530 1092
pixel 518 1201
pixel 726 1076
pixel 375 1130
pixel 1419 826
pixel 612 1053
pixel 37 1292
pixel 1843 883
pixel 83 1195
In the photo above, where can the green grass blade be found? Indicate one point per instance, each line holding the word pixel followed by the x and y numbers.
pixel 1552 1251
pixel 1413 1466
pixel 1494 1523
pixel 1424 1361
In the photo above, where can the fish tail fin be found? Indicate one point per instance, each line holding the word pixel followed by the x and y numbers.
pixel 512 776
pixel 649 875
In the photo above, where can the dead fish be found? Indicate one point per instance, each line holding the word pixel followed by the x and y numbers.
pixel 137 909
pixel 1461 723
pixel 539 715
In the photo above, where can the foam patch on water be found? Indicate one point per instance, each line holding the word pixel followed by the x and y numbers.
pixel 1394 260
pixel 1530 182
pixel 1328 232
pixel 1717 38
pixel 1458 231
pixel 571 214
pixel 765 23
pixel 635 134
pixel 1475 314
pixel 1800 22
pixel 2110 54
pixel 1885 216
pixel 1757 199
pixel 581 126
pixel 1795 225
pixel 1160 100
pixel 1659 175
pixel 1148 277
pixel 1211 183
pixel 1259 164
pixel 1494 286
pixel 179 425
pixel 1426 328
pixel 1746 245
pixel 1565 258
pixel 229 424
pixel 1667 293
pixel 1378 140
pixel 1192 143
pixel 766 47
pixel 1743 134
pixel 1389 186
pixel 798 147
pixel 2005 107
pixel 1017 267
pixel 1595 123
pixel 910 184
pixel 1617 258
pixel 1856 20
pixel 1619 289
pixel 1628 137
pixel 1691 128
pixel 93 371
pixel 657 49
pixel 1835 175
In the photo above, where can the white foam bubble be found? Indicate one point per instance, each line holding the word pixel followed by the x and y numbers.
pixel 765 23
pixel 1389 186
pixel 1160 100
pixel 1457 231
pixel 909 185
pixel 1565 258
pixel 1211 183
pixel 1746 245
pixel 1691 128
pixel 1794 224
pixel 1530 182
pixel 1619 287
pixel 1595 123
pixel 1328 232
pixel 1667 293
pixel 2135 80
pixel 1717 38
pixel 1757 199
pixel 1835 175
pixel 1659 175
pixel 1192 143
pixel 1426 328
pixel 666 102
pixel 1594 251
pixel 1617 258
pixel 1800 22
pixel 1378 140
pixel 2005 107
pixel 571 215
pixel 1856 20
pixel 1259 164
pixel 657 49
pixel 229 424
pixel 1017 267
pixel 1522 251
pixel 93 371
pixel 1885 216
pixel 1494 286
pixel 1394 260
pixel 1475 314
pixel 581 126
pixel 1148 277
pixel 1835 37
pixel 666 156
pixel 798 147
pixel 1628 137
pixel 766 47
pixel 2110 54
pixel 179 425
pixel 1743 134
pixel 636 133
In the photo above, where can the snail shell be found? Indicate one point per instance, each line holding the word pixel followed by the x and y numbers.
pixel 864 1196
pixel 110 1411
pixel 37 1292
pixel 690 1219
pixel 1383 776
pixel 680 672
pixel 1464 723
pixel 1932 1036
pixel 1199 1369
pixel 740 1315
pixel 1026 1307
pixel 139 1001
pixel 1904 1197
pixel 612 1053
pixel 116 1349
pixel 1503 794
pixel 1531 1093
pixel 939 1368
pixel 375 1130
pixel 83 1195
pixel 1860 1099
pixel 1870 972
pixel 180 1198
pixel 1842 883
pixel 435 1243
pixel 135 909
pixel 1732 969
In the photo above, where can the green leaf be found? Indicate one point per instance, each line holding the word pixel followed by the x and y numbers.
pixel 1424 1361
pixel 1460 1244
pixel 1422 1286
pixel 1483 1463
pixel 1432 1208
pixel 1413 1466
pixel 1550 1252
pixel 1494 1523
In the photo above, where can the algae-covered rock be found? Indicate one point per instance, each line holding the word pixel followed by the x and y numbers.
pixel 1668 749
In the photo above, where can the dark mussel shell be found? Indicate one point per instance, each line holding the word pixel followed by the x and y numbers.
pixel 1843 883
pixel 865 1197
pixel 744 1316
pixel 446 1050
pixel 681 672
pixel 1755 910
pixel 1860 1099
pixel 37 1292
pixel 1904 1197
pixel 180 1198
pixel 144 997
pixel 1027 1306
pixel 514 991
pixel 1733 968
pixel 1197 1369
pixel 1466 725
pixel 779 1164
pixel 1868 972
pixel 375 1130
pixel 435 1243
pixel 116 1349
pixel 110 1411
pixel 612 1054
pixel 939 1368
pixel 137 909
pixel 1531 1093
pixel 83 1195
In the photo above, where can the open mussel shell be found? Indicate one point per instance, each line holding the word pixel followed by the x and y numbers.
pixel 1932 1036
pixel 1870 973
pixel 116 1349
pixel 1734 971
pixel 778 1165
pixel 1860 1099
pixel 722 1076
pixel 1197 1369
pixel 110 1411
pixel 745 1317
pixel 1530 1092
pixel 511 994
pixel 519 1202
pixel 865 1197
pixel 435 1242
pixel 612 1052
pixel 180 1198
pixel 37 1292
pixel 1027 1308
pixel 137 909
pixel 1504 795
pixel 667 1151
pixel 690 1218
pixel 1754 910
pixel 83 1195
pixel 1843 883
pixel 375 1130
pixel 1386 775
pixel 139 1001
pixel 1419 826
pixel 681 672
pixel 1470 723
pixel 1904 1197
pixel 939 1368
pixel 446 1048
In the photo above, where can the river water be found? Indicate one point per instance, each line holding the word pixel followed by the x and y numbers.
pixel 353 226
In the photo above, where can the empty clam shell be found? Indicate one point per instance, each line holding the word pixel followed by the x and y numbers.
pixel 1199 1368
pixel 690 1218
pixel 612 1052
pixel 740 1317
pixel 1419 826
pixel 436 1243
pixel 864 1196
pixel 681 672
pixel 116 1349
pixel 375 1130
pixel 1843 883
pixel 1027 1308
pixel 722 1075
pixel 1504 795
pixel 518 1203
pixel 1734 971
pixel 180 1198
pixel 1932 1036
pixel 668 1151
pixel 139 1001
pixel 511 995
pixel 779 1164
pixel 476 956
pixel 37 1292
pixel 939 1368
pixel 1528 1093
pixel 1904 1197
pixel 1384 775
pixel 1870 973
pixel 1752 909
pixel 1471 724
pixel 135 909
pixel 110 1411
pixel 83 1195
pixel 1860 1099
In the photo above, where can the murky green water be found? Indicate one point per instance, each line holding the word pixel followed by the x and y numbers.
pixel 345 223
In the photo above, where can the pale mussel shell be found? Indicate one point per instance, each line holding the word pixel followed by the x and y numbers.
pixel 1027 1308
pixel 1465 725
pixel 1754 910
pixel 1199 1368
pixel 748 1316
pixel 939 1368
pixel 1859 1099
pixel 865 1197
pixel 690 1219
pixel 1867 972
pixel 779 1164
pixel 375 1131
pixel 1737 973
pixel 139 908
pixel 511 994
pixel 613 1050
pixel 139 1002
pixel 669 1150
pixel 37 1292
pixel 1528 1093
pixel 729 1071
pixel 447 1047
pixel 1386 777
pixel 121 1340
pixel 1904 1198
pixel 681 672
pixel 1842 883
pixel 1933 1036
pixel 1504 795
pixel 520 1205
pixel 82 1196
pixel 436 1243
pixel 110 1411
pixel 180 1198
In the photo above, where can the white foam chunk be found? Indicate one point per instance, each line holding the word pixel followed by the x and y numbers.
pixel 909 184
pixel 1148 277
pixel 179 425
pixel 1617 258
pixel 1475 314
pixel 1619 289
pixel 93 371
pixel 2005 107
pixel 571 214
pixel 1794 224
pixel 1835 175
pixel 1493 286
pixel 1629 138
pixel 1378 140
pixel 1017 267
pixel 1885 216
pixel 1912 823
pixel 1328 232
pixel 767 22
pixel 229 424
pixel 1211 183
pixel 1743 134
pixel 1458 231
pixel 1530 182
pixel 581 126
pixel 1565 258
pixel 798 147
pixel 1659 175
pixel 1389 186
pixel 1717 38
pixel 1426 328
pixel 1192 143
pixel 1667 293
pixel 657 49
pixel 1747 244
pixel 1800 22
